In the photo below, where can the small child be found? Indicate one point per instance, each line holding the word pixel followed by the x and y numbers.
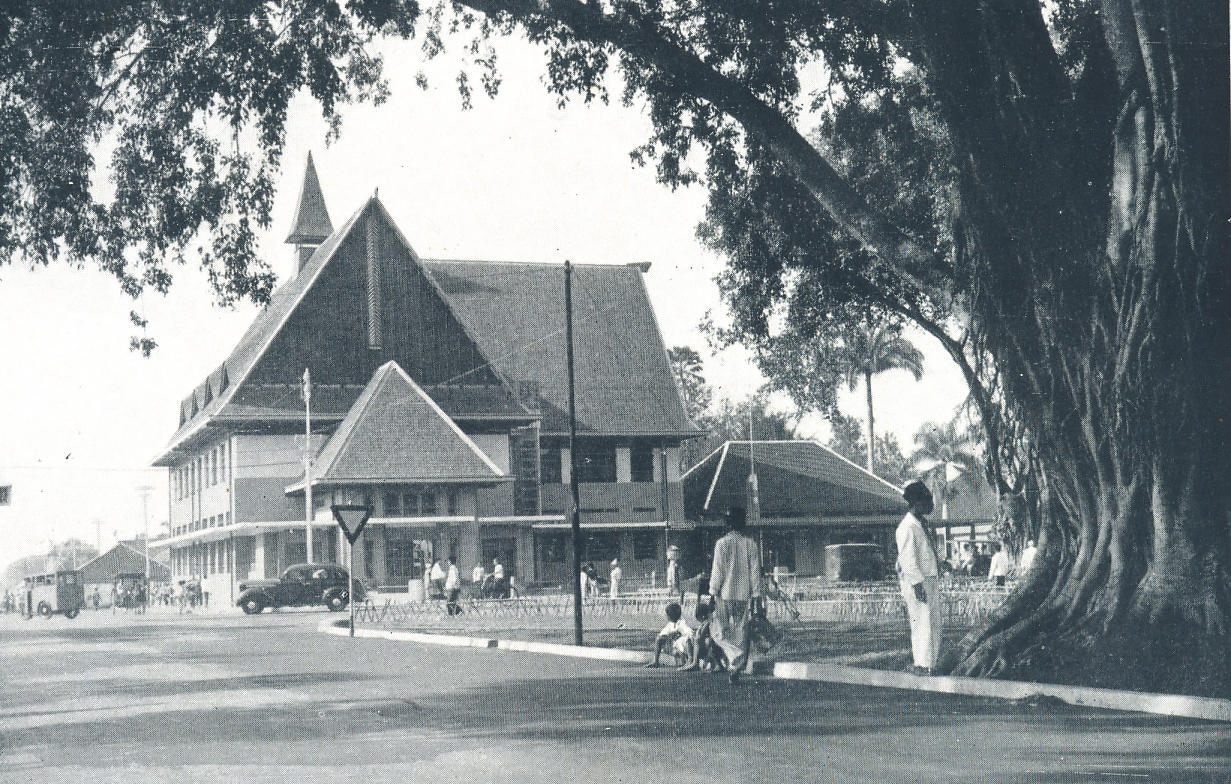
pixel 707 655
pixel 676 635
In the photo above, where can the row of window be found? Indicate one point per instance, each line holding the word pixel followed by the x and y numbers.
pixel 212 521
pixel 596 462
pixel 419 504
pixel 204 471
pixel 599 547
pixel 203 560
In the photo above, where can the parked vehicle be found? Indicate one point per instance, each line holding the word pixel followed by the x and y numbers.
pixel 300 585
pixel 54 593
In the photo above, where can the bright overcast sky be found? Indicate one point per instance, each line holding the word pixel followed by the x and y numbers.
pixel 515 179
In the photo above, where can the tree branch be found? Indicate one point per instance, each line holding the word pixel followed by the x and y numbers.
pixel 589 23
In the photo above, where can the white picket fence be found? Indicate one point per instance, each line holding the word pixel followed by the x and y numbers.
pixel 851 603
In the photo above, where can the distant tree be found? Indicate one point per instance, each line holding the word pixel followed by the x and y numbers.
pixel 946 459
pixel 847 440
pixel 879 347
pixel 689 372
pixel 815 353
pixel 730 421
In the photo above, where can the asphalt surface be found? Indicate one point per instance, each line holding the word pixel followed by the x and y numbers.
pixel 221 698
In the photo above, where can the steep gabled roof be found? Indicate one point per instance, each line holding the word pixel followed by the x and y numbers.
pixel 396 433
pixel 515 312
pixel 513 315
pixel 795 478
pixel 312 225
pixel 261 332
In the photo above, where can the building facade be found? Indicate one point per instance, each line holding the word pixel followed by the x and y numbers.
pixel 438 396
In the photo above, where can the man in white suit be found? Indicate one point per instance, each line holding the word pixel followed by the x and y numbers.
pixel 735 579
pixel 918 576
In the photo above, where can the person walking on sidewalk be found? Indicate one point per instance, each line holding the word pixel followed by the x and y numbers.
pixel 918 577
pixel 735 580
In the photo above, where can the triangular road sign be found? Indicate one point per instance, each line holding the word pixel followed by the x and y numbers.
pixel 352 518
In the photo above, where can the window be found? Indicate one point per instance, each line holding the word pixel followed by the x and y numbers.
pixel 427 504
pixel 452 503
pixel 213 466
pixel 642 463
pixel 226 518
pixel 393 506
pixel 222 462
pixel 550 471
pixel 779 550
pixel 645 545
pixel 369 557
pixel 596 461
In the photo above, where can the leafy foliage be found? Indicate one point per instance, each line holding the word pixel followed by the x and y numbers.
pixel 191 100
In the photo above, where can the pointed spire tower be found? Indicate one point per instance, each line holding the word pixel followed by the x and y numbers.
pixel 312 224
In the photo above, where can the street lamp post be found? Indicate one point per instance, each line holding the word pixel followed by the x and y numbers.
pixel 144 491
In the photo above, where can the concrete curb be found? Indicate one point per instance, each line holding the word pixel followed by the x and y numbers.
pixel 341 628
pixel 1178 705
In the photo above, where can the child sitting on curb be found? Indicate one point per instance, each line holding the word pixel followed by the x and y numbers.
pixel 707 655
pixel 676 635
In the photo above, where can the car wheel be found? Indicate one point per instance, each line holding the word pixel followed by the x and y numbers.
pixel 337 601
pixel 44 609
pixel 71 614
pixel 252 606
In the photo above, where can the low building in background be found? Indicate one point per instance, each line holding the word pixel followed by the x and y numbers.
pixel 807 498
pixel 125 558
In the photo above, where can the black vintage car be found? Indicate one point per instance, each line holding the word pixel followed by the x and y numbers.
pixel 300 585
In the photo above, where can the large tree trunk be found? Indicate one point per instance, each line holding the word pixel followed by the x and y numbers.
pixel 1105 308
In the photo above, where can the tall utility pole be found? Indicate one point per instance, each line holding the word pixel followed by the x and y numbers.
pixel 307 460
pixel 144 491
pixel 572 453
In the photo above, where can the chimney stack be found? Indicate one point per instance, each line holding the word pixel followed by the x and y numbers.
pixel 312 225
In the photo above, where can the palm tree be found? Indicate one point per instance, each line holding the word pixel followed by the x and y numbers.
pixel 945 457
pixel 876 348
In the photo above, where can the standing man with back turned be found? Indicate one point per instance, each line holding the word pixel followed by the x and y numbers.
pixel 918 572
pixel 735 580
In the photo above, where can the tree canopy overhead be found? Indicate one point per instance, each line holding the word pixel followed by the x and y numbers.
pixel 1041 186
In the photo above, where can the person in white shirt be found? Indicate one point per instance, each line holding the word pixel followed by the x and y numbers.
pixel 476 575
pixel 918 577
pixel 1028 556
pixel 1000 566
pixel 497 569
pixel 453 588
pixel 436 576
pixel 616 575
pixel 735 580
pixel 676 635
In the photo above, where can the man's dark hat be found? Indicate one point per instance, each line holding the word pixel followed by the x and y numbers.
pixel 916 491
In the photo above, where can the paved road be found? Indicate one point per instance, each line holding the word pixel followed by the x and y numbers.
pixel 267 699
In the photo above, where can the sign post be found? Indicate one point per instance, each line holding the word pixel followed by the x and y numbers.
pixel 351 519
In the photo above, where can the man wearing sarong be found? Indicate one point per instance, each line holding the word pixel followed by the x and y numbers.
pixel 735 579
pixel 918 572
